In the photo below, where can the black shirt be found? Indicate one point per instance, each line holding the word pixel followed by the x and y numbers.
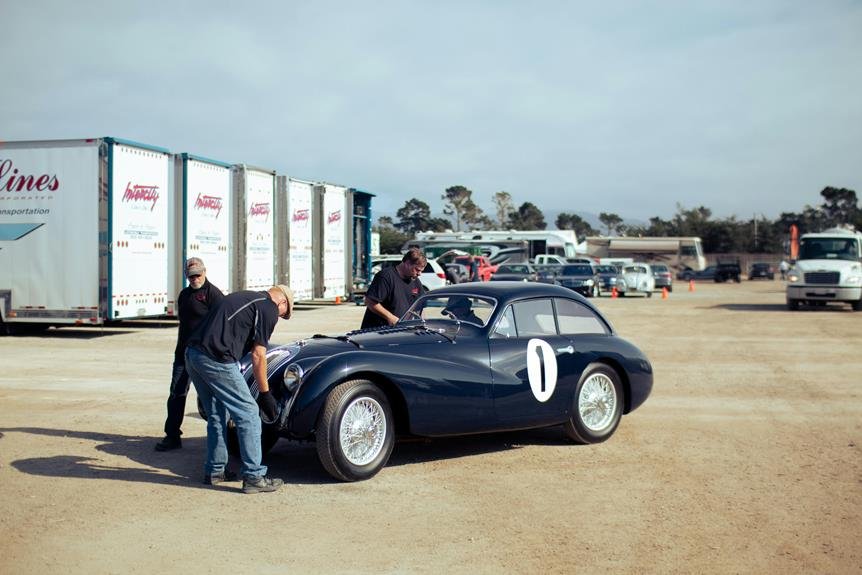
pixel 238 321
pixel 192 306
pixel 395 293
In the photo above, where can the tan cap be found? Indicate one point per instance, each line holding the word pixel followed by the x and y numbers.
pixel 288 293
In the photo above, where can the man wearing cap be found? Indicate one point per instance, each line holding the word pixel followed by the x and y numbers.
pixel 242 322
pixel 193 303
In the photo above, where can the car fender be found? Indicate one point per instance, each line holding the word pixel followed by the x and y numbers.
pixel 422 384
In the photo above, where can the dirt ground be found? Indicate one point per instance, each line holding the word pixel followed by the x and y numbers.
pixel 745 459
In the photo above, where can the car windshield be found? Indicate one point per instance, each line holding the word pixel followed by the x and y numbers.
pixel 660 268
pixel 513 270
pixel 634 270
pixel 577 270
pixel 607 269
pixel 828 249
pixel 452 307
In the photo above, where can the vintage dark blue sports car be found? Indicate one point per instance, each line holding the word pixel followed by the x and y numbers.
pixel 467 358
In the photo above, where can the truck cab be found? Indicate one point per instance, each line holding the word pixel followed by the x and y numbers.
pixel 829 269
pixel 549 259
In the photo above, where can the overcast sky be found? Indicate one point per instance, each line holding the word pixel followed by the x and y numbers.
pixel 627 107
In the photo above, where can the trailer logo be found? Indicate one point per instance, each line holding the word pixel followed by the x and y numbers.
pixel 141 194
pixel 333 217
pixel 300 215
pixel 13 181
pixel 259 209
pixel 211 203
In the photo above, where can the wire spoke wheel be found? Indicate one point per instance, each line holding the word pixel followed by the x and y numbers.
pixel 362 431
pixel 597 402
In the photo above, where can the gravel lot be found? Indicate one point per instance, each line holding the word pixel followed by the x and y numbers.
pixel 745 459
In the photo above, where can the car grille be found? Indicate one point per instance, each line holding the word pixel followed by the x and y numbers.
pixel 822 277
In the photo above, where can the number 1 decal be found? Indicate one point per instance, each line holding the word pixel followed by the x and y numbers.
pixel 542 384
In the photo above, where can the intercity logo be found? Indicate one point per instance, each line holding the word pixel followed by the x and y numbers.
pixel 300 215
pixel 141 194
pixel 333 216
pixel 209 203
pixel 259 209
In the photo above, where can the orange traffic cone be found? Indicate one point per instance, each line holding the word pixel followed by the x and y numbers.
pixel 664 293
pixel 613 292
pixel 337 299
pixel 690 285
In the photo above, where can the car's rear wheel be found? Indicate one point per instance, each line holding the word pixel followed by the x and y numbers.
pixel 598 405
pixel 356 431
pixel 793 304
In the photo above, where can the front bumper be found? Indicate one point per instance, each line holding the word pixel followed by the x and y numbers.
pixel 823 293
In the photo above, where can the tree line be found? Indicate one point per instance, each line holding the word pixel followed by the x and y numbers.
pixel 839 206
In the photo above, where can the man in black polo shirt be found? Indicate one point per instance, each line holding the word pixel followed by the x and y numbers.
pixel 193 303
pixel 242 322
pixel 393 290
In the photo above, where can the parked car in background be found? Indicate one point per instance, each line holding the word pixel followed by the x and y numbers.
pixel 636 278
pixel 581 278
pixel 608 275
pixel 706 273
pixel 727 269
pixel 464 359
pixel 761 270
pixel 515 272
pixel 663 277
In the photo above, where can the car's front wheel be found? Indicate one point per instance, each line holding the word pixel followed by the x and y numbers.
pixel 356 432
pixel 598 405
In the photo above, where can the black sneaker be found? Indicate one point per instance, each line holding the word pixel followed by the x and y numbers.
pixel 220 478
pixel 260 484
pixel 169 443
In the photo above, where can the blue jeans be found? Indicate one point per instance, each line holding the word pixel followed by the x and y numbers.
pixel 224 393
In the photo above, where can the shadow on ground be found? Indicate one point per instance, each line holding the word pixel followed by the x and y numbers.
pixel 294 462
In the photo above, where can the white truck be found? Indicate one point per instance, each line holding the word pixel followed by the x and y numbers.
pixel 828 269
pixel 83 232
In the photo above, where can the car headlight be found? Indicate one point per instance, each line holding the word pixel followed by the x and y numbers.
pixel 588 282
pixel 794 277
pixel 854 280
pixel 293 377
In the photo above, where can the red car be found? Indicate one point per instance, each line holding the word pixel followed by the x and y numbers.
pixel 486 268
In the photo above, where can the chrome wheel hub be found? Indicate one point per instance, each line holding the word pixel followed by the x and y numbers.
pixel 362 431
pixel 597 402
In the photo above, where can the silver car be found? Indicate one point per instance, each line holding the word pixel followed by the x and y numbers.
pixel 636 278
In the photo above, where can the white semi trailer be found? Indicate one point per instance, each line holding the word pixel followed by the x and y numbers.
pixel 83 231
pixel 202 222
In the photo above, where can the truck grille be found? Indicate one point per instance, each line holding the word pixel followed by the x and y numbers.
pixel 822 278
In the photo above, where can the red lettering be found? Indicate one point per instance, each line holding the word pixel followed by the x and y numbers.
pixel 259 209
pixel 333 217
pixel 212 203
pixel 15 182
pixel 300 215
pixel 138 193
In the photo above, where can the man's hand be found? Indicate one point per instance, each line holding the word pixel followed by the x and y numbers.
pixel 268 406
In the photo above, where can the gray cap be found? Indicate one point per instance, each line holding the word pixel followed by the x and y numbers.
pixel 195 267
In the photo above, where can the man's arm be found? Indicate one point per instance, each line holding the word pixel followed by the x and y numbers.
pixel 377 307
pixel 258 363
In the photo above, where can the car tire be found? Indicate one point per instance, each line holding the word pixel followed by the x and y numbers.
pixel 649 293
pixel 793 304
pixel 669 288
pixel 856 305
pixel 363 406
pixel 597 406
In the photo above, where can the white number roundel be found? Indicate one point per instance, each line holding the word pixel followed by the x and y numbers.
pixel 543 387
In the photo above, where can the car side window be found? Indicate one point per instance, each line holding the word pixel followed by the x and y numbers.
pixel 575 318
pixel 534 317
pixel 506 326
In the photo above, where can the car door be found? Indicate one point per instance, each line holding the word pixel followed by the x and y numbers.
pixel 533 367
